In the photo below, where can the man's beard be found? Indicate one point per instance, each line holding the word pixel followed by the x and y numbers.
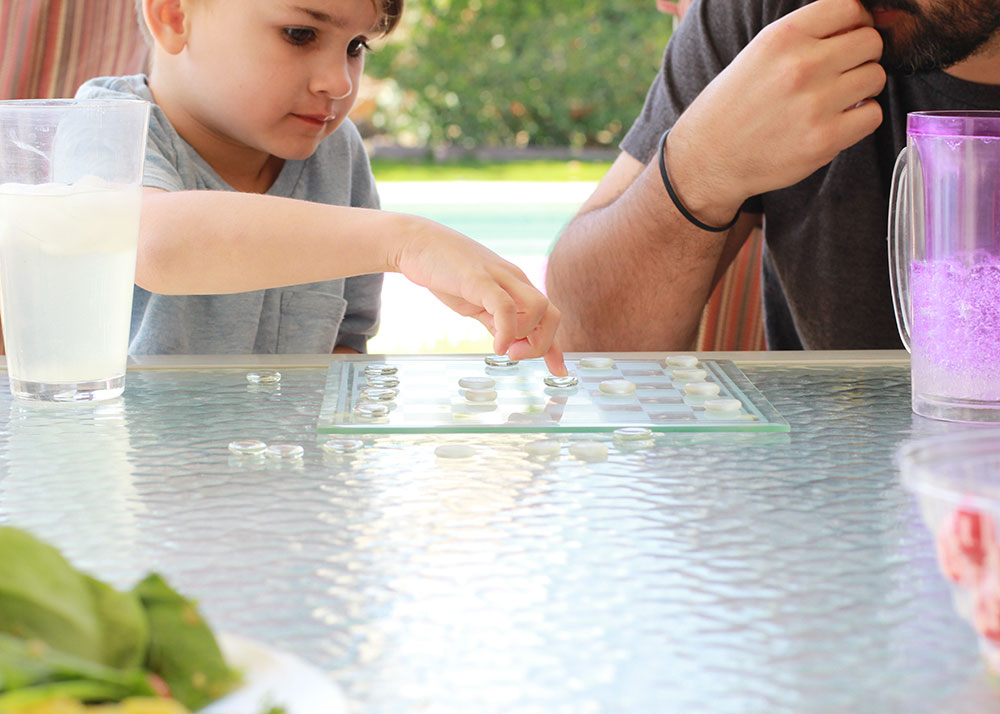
pixel 938 37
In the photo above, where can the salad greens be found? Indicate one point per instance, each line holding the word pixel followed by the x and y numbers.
pixel 65 633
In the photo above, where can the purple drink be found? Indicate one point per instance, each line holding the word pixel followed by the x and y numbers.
pixel 955 340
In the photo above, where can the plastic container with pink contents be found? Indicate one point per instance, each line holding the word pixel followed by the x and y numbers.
pixel 957 480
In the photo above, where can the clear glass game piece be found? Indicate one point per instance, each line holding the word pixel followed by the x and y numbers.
pixel 684 361
pixel 264 376
pixel 379 394
pixel 590 451
pixel 702 389
pixel 343 446
pixel 477 382
pixel 454 451
pixel 380 369
pixel 500 361
pixel 561 382
pixel 285 451
pixel 597 363
pixel 371 410
pixel 247 447
pixel 543 447
pixel 633 433
pixel 388 382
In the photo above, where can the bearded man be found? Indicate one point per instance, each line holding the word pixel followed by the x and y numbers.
pixel 788 108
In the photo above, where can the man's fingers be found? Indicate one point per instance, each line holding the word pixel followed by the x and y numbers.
pixel 860 121
pixel 825 18
pixel 859 84
pixel 855 48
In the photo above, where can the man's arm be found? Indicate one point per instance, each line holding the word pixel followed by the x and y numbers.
pixel 629 272
pixel 645 288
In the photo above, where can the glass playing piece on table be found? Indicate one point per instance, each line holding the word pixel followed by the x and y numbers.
pixel 597 363
pixel 285 451
pixel 500 361
pixel 380 369
pixel 264 376
pixel 247 447
pixel 561 382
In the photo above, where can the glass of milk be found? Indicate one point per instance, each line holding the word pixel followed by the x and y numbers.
pixel 70 191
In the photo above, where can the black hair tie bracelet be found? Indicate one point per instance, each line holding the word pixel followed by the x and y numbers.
pixel 677 201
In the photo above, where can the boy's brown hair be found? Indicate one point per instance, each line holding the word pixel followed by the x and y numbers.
pixel 389 14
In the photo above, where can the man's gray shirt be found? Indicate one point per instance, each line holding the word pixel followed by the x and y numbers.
pixel 826 274
pixel 310 318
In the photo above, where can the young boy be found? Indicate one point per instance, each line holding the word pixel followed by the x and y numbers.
pixel 259 204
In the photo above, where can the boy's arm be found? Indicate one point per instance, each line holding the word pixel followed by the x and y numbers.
pixel 209 242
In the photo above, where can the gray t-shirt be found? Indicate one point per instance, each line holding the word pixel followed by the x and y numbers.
pixel 826 274
pixel 310 318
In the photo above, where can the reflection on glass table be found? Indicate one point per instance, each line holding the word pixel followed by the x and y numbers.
pixel 700 572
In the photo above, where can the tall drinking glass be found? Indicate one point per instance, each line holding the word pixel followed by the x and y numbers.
pixel 70 191
pixel 944 262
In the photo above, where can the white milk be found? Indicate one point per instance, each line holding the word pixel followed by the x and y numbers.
pixel 67 266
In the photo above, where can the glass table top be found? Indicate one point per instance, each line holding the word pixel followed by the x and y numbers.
pixel 686 572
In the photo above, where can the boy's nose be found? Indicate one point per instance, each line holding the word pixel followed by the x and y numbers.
pixel 334 80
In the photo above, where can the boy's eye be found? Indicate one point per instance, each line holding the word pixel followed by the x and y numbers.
pixel 299 35
pixel 357 47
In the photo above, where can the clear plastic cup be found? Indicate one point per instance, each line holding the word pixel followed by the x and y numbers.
pixel 956 478
pixel 70 191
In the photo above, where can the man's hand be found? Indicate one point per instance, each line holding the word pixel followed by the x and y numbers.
pixel 475 282
pixel 795 97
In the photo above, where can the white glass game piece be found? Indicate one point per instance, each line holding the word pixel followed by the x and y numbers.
pixel 285 451
pixel 382 382
pixel 264 376
pixel 342 446
pixel 617 386
pixel 379 394
pixel 380 369
pixel 561 382
pixel 454 451
pixel 633 433
pixel 247 447
pixel 689 375
pixel 477 382
pixel 543 447
pixel 702 389
pixel 371 409
pixel 597 362
pixel 500 361
pixel 687 361
pixel 480 395
pixel 589 451
pixel 723 405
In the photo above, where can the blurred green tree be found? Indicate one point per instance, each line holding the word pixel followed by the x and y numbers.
pixel 514 73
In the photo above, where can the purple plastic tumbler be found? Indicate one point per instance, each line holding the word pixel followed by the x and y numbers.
pixel 944 262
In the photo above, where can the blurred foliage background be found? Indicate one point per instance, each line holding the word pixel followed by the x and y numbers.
pixel 469 74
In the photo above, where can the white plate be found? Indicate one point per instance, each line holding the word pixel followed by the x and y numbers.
pixel 274 678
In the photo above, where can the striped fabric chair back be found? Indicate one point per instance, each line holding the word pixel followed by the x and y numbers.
pixel 733 317
pixel 49 47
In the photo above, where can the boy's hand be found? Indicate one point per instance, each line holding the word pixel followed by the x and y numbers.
pixel 476 282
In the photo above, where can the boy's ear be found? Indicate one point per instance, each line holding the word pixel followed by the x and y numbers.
pixel 167 23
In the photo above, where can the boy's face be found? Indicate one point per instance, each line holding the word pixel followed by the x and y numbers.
pixel 276 76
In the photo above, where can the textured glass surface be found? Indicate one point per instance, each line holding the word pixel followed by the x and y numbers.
pixel 686 573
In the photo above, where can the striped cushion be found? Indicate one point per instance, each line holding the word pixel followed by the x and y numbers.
pixel 732 319
pixel 49 47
